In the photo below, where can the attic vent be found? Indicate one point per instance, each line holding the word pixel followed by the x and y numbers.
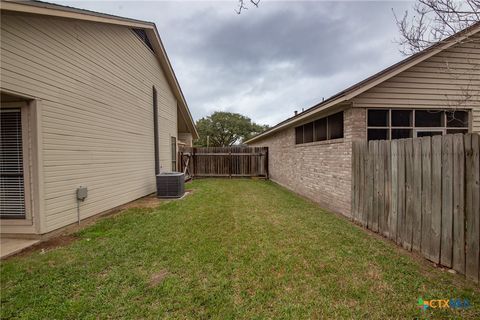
pixel 143 36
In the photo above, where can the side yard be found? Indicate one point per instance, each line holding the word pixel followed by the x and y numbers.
pixel 232 249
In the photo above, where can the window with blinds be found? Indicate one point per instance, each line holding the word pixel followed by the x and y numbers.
pixel 12 189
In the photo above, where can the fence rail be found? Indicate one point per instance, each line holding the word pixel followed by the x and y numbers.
pixel 225 162
pixel 424 194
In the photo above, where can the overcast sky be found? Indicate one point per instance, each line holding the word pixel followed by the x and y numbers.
pixel 270 61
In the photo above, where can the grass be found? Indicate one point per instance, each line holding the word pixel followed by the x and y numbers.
pixel 233 249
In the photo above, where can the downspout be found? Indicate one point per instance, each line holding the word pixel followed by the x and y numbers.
pixel 155 131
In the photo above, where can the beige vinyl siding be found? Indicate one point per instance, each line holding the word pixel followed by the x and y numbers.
pixel 95 82
pixel 441 81
pixel 186 137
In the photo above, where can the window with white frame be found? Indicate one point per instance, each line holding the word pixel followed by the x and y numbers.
pixel 387 124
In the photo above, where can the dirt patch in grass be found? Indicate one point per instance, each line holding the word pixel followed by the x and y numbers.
pixel 66 235
pixel 157 278
pixel 150 201
pixel 47 245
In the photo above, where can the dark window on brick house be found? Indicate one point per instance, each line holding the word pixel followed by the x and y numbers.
pixel 385 124
pixel 299 135
pixel 330 127
pixel 320 129
pixel 378 118
pixel 428 118
pixel 335 126
pixel 402 118
pixel 308 132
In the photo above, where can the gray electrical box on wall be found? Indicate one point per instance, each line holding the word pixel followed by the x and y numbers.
pixel 82 193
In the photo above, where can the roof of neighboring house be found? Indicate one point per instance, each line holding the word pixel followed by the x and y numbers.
pixel 371 81
pixel 49 9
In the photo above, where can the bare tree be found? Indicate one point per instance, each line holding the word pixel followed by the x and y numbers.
pixel 431 21
pixel 243 5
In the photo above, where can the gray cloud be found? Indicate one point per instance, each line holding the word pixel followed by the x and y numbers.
pixel 268 61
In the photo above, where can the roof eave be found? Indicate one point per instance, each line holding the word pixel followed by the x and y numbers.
pixel 173 81
pixel 372 81
pixel 48 9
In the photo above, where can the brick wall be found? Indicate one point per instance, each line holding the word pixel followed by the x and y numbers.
pixel 320 170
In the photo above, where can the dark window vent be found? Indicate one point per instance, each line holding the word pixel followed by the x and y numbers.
pixel 143 36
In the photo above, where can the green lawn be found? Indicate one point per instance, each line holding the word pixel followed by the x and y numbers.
pixel 232 249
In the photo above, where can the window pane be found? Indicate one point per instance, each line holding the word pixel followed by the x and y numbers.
pixel 428 118
pixel 377 134
pixel 308 132
pixel 335 126
pixel 321 129
pixel 299 135
pixel 452 131
pixel 457 119
pixel 401 133
pixel 402 118
pixel 377 118
pixel 428 133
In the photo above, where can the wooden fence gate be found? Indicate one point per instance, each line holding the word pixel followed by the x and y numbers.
pixel 224 162
pixel 424 194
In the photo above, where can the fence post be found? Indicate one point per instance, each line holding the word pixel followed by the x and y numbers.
pixel 194 167
pixel 230 163
pixel 266 163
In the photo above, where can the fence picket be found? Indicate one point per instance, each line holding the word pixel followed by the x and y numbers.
pixel 409 207
pixel 381 186
pixel 472 209
pixel 376 175
pixel 424 194
pixel 369 174
pixel 458 204
pixel 417 195
pixel 388 189
pixel 401 194
pixel 394 204
pixel 435 227
pixel 447 202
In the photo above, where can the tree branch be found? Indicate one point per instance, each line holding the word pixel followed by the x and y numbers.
pixel 432 21
pixel 242 5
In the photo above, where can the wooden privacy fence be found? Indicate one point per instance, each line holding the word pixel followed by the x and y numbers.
pixel 225 162
pixel 424 194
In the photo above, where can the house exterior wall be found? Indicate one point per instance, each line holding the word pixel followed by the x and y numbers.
pixel 449 79
pixel 94 83
pixel 317 170
pixel 321 171
pixel 186 137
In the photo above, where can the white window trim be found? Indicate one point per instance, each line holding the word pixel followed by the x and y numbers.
pixel 27 164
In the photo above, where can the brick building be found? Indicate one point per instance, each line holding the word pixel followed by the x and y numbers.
pixel 436 91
